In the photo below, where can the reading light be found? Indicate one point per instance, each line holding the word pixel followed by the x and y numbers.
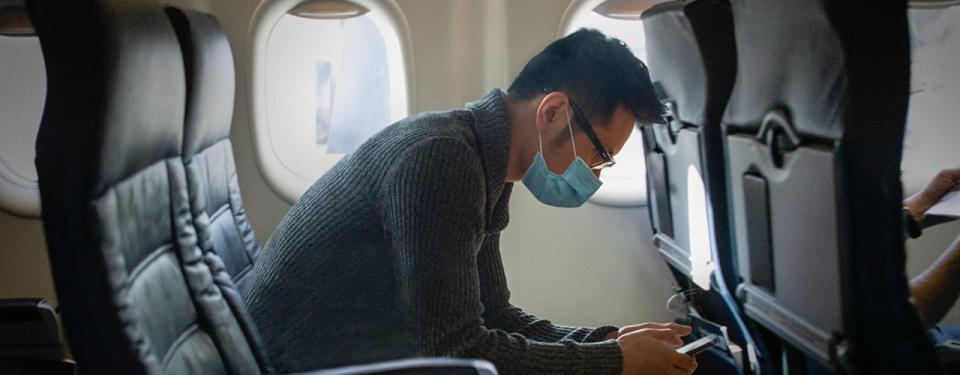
pixel 328 10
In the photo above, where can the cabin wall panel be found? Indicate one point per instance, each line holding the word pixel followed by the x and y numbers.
pixel 24 266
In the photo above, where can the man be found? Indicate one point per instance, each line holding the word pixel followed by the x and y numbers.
pixel 395 251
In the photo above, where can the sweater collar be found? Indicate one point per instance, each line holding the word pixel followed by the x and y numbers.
pixel 492 129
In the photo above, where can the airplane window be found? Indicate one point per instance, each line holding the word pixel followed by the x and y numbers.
pixel 329 84
pixel 22 93
pixel 930 142
pixel 625 183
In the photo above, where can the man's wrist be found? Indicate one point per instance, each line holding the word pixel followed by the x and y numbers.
pixel 910 224
pixel 915 208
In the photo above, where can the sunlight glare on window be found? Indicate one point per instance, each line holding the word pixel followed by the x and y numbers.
pixel 330 85
pixel 701 256
pixel 624 183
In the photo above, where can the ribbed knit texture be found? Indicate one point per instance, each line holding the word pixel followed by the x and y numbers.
pixel 395 253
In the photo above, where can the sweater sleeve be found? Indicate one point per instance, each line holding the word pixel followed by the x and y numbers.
pixel 432 213
pixel 500 314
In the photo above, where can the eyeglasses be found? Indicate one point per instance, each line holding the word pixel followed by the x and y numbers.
pixel 605 155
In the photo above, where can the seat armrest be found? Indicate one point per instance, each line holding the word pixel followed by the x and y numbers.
pixel 29 328
pixel 446 366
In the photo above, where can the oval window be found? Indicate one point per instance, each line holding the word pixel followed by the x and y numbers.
pixel 625 183
pixel 333 74
pixel 23 90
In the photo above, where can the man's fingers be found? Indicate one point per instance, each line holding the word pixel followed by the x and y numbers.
pixel 685 363
pixel 679 329
pixel 662 334
pixel 667 335
pixel 636 327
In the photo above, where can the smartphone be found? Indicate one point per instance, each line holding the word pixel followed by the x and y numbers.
pixel 699 345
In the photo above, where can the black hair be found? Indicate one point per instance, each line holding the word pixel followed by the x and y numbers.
pixel 598 73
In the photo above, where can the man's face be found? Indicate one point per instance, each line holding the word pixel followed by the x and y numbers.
pixel 558 151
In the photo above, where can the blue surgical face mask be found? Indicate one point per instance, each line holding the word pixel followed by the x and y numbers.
pixel 571 189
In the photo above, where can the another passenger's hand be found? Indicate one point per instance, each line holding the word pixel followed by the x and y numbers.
pixel 918 204
pixel 649 348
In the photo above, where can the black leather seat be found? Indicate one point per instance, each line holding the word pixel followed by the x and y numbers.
pixel 136 295
pixel 224 234
pixel 814 131
pixel 215 200
pixel 692 60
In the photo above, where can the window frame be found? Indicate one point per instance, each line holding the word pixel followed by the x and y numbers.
pixel 19 195
pixel 386 14
pixel 573 17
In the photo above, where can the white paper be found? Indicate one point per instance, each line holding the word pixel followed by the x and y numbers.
pixel 949 205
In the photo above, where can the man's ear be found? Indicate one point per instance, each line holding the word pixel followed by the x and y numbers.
pixel 551 111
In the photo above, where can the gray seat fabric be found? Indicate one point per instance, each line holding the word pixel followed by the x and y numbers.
pixel 692 63
pixel 692 60
pixel 136 295
pixel 814 132
pixel 225 235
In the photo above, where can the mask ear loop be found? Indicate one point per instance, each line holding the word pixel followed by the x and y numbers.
pixel 572 143
pixel 540 140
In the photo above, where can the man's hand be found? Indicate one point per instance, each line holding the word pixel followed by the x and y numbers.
pixel 680 329
pixel 651 348
pixel 918 204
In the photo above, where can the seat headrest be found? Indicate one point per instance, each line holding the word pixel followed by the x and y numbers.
pixel 115 90
pixel 789 57
pixel 692 56
pixel 208 62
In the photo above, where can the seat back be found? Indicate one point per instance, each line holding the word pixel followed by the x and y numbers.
pixel 135 294
pixel 692 60
pixel 215 199
pixel 813 135
pixel 225 235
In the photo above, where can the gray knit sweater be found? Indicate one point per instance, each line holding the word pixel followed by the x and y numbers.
pixel 395 253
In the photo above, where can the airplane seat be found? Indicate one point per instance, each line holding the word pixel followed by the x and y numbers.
pixel 215 199
pixel 224 233
pixel 813 136
pixel 31 341
pixel 692 61
pixel 136 296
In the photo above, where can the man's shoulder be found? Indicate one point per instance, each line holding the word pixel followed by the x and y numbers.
pixel 454 124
